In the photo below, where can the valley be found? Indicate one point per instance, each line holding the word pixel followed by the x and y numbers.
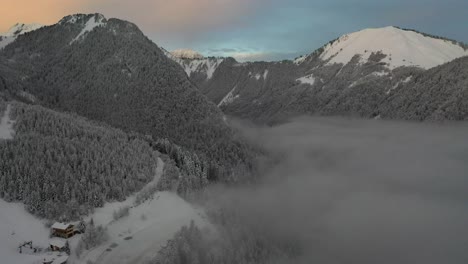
pixel 115 149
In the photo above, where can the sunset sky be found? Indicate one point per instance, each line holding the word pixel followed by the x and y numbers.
pixel 252 29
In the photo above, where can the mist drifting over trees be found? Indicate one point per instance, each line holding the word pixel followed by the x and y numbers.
pixel 352 191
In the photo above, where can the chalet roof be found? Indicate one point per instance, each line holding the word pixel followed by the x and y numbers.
pixel 61 226
pixel 57 243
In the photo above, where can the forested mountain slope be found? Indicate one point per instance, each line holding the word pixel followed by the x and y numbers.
pixel 107 70
pixel 440 93
pixel 61 166
pixel 356 74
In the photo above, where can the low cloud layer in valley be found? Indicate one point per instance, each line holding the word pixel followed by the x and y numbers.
pixel 355 191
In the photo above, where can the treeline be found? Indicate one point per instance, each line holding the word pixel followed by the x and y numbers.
pixel 62 166
pixel 233 243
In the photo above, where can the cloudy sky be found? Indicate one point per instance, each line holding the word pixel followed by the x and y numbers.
pixel 252 29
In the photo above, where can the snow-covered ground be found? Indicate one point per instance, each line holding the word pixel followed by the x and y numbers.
pixel 132 239
pixel 6 125
pixel 402 47
pixel 140 235
pixel 18 226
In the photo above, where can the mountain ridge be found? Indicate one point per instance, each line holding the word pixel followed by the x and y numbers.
pixel 340 78
pixel 114 74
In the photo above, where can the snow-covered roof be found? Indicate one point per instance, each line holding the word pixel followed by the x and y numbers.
pixel 60 243
pixel 61 226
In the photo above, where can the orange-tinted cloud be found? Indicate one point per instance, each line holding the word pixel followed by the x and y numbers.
pixel 153 16
pixel 34 11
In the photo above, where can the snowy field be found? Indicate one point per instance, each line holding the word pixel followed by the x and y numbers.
pixel 140 235
pixel 16 227
pixel 133 238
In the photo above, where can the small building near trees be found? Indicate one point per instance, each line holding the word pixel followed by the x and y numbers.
pixel 63 230
pixel 57 245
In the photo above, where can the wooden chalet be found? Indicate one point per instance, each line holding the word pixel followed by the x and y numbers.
pixel 63 230
pixel 57 245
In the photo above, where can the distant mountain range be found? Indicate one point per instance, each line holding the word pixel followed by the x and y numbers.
pixel 366 73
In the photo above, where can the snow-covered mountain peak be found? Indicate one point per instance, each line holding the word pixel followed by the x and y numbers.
pixel 21 28
pixel 186 54
pixel 80 18
pixel 400 47
pixel 89 23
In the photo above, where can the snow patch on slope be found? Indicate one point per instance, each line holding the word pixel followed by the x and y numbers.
pixel 407 80
pixel 20 28
pixel 212 65
pixel 265 75
pixel 207 65
pixel 229 98
pixel 300 59
pixel 380 73
pixel 91 24
pixel 258 76
pixel 309 79
pixel 402 47
pixel 6 125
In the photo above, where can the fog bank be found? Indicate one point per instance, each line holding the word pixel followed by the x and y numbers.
pixel 362 191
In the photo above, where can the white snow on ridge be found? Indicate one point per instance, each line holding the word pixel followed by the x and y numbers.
pixel 194 62
pixel 6 125
pixel 15 31
pixel 402 47
pixel 206 65
pixel 300 59
pixel 91 24
pixel 5 40
pixel 309 79
pixel 212 65
pixel 20 28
